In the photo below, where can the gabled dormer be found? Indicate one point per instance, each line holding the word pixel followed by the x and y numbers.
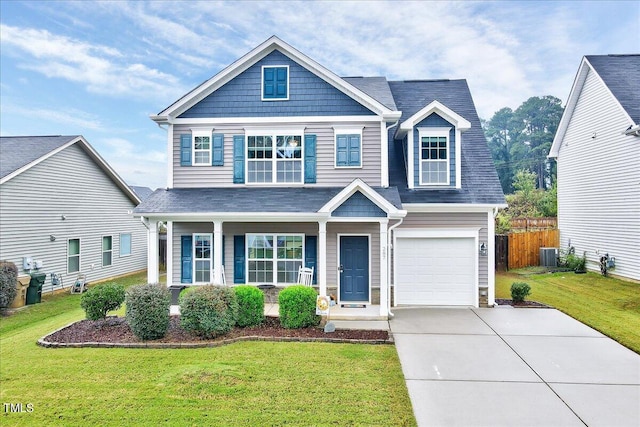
pixel 432 141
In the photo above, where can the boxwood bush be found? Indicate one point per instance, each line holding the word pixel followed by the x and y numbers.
pixel 250 305
pixel 8 282
pixel 101 299
pixel 298 307
pixel 209 311
pixel 519 291
pixel 147 310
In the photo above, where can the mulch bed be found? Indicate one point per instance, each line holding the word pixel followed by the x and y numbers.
pixel 114 332
pixel 524 304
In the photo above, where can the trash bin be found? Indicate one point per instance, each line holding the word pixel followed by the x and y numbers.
pixel 34 291
pixel 21 294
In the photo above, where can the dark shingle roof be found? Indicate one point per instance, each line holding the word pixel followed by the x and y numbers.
pixel 375 87
pixel 18 151
pixel 480 182
pixel 141 192
pixel 252 200
pixel 621 74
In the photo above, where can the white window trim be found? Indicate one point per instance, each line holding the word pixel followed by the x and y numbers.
pixel 273 133
pixel 102 251
pixel 341 130
pixel 200 132
pixel 130 244
pixel 194 259
pixel 434 132
pixel 79 255
pixel 262 98
pixel 274 259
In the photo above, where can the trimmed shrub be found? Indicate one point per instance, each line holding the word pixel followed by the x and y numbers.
pixel 298 307
pixel 101 299
pixel 147 310
pixel 185 291
pixel 209 311
pixel 8 282
pixel 250 305
pixel 519 291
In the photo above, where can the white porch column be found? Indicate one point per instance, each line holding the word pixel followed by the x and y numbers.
pixel 169 266
pixel 491 257
pixel 152 252
pixel 322 257
pixel 384 276
pixel 217 252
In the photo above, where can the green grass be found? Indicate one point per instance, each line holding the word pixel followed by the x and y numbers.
pixel 610 305
pixel 249 383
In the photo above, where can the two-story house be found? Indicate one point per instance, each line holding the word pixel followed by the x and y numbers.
pixel 386 188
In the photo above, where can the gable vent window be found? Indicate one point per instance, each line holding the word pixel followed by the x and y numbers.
pixel 275 83
pixel 434 157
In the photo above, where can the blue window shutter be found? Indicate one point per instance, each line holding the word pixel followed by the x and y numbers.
pixel 309 159
pixel 354 150
pixel 269 82
pixel 238 259
pixel 238 159
pixel 185 149
pixel 311 255
pixel 281 82
pixel 342 150
pixel 217 157
pixel 186 256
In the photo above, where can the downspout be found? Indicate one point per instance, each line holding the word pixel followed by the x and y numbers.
pixel 389 265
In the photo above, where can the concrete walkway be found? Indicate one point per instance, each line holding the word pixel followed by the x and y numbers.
pixel 514 367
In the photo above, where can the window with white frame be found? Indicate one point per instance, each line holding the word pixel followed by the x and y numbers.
pixel 434 156
pixel 274 258
pixel 107 250
pixel 125 244
pixel 201 147
pixel 73 256
pixel 202 257
pixel 274 158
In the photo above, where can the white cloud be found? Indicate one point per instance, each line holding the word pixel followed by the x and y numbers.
pixel 102 69
pixel 135 163
pixel 66 116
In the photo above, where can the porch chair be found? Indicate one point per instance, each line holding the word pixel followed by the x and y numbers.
pixel 305 275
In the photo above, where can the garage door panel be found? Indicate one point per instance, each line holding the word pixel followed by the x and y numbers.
pixel 435 271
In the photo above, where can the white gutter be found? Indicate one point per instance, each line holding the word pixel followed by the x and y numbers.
pixel 389 266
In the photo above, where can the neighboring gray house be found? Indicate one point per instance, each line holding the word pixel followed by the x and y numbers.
pixel 597 148
pixel 64 210
pixel 386 188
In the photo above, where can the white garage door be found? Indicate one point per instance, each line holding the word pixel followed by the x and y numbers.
pixel 435 271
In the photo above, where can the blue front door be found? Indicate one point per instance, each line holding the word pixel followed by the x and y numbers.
pixel 354 269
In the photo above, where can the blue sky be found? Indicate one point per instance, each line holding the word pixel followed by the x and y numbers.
pixel 101 68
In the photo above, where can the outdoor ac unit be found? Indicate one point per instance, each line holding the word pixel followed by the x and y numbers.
pixel 549 257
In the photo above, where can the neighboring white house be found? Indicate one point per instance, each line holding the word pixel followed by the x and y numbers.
pixel 597 148
pixel 64 210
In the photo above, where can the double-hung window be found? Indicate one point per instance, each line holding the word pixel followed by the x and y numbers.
pixel 202 257
pixel 434 156
pixel 73 255
pixel 107 250
pixel 274 158
pixel 274 258
pixel 348 144
pixel 201 146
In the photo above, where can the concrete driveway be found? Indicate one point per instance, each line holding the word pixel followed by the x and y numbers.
pixel 514 367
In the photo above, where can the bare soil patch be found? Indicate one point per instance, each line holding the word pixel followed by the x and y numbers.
pixel 115 330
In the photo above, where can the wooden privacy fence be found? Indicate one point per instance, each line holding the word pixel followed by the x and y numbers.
pixel 531 224
pixel 523 249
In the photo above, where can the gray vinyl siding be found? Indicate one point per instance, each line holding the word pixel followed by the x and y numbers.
pixel 232 229
pixel 327 175
pixel 68 183
pixel 453 220
pixel 599 182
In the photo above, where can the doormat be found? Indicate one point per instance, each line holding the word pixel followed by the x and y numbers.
pixel 353 306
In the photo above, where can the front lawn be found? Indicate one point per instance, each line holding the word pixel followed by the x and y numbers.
pixel 609 305
pixel 250 383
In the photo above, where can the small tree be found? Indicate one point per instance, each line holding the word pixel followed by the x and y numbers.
pixel 519 291
pixel 101 299
pixel 8 283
